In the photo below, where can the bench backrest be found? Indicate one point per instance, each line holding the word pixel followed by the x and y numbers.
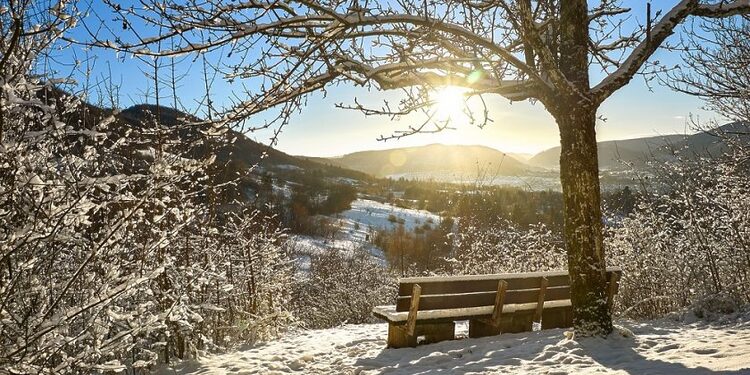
pixel 449 292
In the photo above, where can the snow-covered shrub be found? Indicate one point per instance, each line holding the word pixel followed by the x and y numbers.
pixel 116 248
pixel 689 239
pixel 342 287
pixel 225 280
pixel 259 278
pixel 421 251
pixel 503 246
pixel 113 260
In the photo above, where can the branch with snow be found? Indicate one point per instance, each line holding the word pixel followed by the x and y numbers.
pixel 661 30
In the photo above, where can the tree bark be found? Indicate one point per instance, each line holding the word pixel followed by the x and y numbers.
pixel 579 176
pixel 575 112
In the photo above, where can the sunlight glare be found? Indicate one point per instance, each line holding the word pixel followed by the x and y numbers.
pixel 450 104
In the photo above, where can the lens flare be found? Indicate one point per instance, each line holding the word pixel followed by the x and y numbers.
pixel 450 104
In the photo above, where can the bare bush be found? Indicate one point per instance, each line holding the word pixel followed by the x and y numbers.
pixel 688 243
pixel 116 250
pixel 689 239
pixel 342 287
pixel 507 247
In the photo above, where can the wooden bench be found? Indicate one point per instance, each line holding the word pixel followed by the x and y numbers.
pixel 429 306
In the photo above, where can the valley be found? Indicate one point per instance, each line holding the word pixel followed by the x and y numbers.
pixel 396 205
pixel 620 161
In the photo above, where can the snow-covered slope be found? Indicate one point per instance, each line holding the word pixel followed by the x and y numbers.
pixel 656 347
pixel 355 229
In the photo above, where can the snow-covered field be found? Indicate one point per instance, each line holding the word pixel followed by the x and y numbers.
pixel 371 214
pixel 656 347
pixel 356 226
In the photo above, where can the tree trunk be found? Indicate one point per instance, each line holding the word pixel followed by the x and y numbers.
pixel 575 113
pixel 579 175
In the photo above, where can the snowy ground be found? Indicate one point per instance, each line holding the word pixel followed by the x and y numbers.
pixel 656 347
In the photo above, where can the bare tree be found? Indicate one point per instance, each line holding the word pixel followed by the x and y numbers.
pixel 521 50
pixel 717 68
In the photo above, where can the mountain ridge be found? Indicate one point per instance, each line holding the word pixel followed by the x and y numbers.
pixel 435 157
pixel 467 159
pixel 242 153
pixel 637 152
pixel 463 160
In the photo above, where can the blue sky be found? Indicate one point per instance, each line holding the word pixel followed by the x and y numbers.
pixel 322 130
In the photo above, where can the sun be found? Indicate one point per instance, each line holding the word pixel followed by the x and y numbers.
pixel 450 104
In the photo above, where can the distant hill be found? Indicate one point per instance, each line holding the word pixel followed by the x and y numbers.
pixel 441 160
pixel 637 152
pixel 434 158
pixel 520 156
pixel 167 116
pixel 242 153
pixel 456 162
pixel 707 142
pixel 613 153
pixel 243 150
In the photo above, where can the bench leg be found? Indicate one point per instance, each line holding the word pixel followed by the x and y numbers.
pixel 559 317
pixel 482 328
pixel 397 337
pixel 522 321
pixel 509 323
pixel 437 332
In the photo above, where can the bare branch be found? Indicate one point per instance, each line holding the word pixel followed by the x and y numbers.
pixel 664 28
pixel 722 9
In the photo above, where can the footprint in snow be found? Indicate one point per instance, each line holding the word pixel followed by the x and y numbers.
pixel 545 356
pixel 705 351
pixel 667 347
pixel 296 365
pixel 647 344
pixel 511 362
pixel 276 366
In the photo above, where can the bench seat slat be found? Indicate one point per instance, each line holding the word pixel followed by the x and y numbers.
pixel 389 313
pixel 490 276
pixel 484 283
pixel 438 286
pixel 451 301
